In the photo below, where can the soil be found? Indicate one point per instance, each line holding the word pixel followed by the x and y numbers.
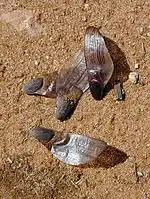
pixel 27 168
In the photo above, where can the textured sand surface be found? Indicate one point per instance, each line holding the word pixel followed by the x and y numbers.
pixel 27 169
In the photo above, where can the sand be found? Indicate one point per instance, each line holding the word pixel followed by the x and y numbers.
pixel 27 168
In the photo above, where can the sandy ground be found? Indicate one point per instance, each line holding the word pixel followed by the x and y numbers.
pixel 27 169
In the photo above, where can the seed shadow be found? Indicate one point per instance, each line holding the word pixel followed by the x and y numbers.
pixel 110 157
pixel 121 67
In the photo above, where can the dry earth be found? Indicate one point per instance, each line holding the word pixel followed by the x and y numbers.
pixel 27 169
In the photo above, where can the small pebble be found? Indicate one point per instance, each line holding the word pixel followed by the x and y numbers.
pixel 119 92
pixel 134 77
pixel 136 66
pixel 47 57
pixel 36 62
pixel 148 34
pixel 86 5
pixel 9 160
pixel 141 30
pixel 140 174
pixel 84 19
pixel 147 175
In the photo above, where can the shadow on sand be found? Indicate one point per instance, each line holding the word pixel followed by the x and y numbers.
pixel 110 157
pixel 121 67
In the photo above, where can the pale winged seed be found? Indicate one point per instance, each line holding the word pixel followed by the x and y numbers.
pixel 78 149
pixel 70 148
pixel 99 64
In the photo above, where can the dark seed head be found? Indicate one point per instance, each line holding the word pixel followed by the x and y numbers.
pixel 96 90
pixel 42 134
pixel 33 85
pixel 64 108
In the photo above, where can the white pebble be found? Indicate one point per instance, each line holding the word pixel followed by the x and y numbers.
pixel 36 62
pixel 47 57
pixel 86 5
pixel 141 29
pixel 140 174
pixel 148 34
pixel 9 160
pixel 84 19
pixel 136 66
pixel 134 77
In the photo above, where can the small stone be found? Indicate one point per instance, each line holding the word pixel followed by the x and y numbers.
pixel 147 175
pixel 132 52
pixel 84 19
pixel 148 34
pixel 140 174
pixel 141 30
pixel 2 68
pixel 134 77
pixel 47 57
pixel 119 91
pixel 136 66
pixel 9 160
pixel 36 62
pixel 86 5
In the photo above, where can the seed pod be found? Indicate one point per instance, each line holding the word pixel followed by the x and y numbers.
pixel 70 86
pixel 98 62
pixel 44 86
pixel 68 147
